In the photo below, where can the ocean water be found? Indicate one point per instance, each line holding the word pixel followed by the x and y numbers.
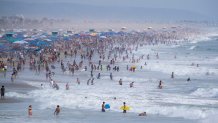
pixel 178 101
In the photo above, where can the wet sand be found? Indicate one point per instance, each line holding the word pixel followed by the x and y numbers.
pixel 9 100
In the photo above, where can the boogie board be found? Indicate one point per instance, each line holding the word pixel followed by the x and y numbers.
pixel 107 106
pixel 125 108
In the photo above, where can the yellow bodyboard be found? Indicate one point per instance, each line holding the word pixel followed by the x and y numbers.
pixel 125 108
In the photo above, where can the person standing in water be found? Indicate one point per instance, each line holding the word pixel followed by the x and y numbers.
pixel 124 107
pixel 120 82
pixel 2 92
pixel 78 81
pixel 131 84
pixel 172 75
pixel 160 85
pixel 111 76
pixel 30 112
pixel 103 107
pixel 99 75
pixel 57 110
pixel 67 86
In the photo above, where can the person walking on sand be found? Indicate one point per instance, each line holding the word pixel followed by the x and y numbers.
pixel 2 92
pixel 57 110
pixel 30 113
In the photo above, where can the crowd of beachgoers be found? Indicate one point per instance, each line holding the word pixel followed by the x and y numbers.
pixel 91 51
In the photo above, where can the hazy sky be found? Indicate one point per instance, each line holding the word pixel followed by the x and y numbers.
pixel 204 7
pixel 194 5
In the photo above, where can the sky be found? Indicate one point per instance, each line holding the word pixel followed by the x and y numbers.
pixel 199 8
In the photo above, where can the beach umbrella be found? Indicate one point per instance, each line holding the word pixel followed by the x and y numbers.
pixel 20 42
pixel 29 39
pixel 48 40
pixel 42 43
pixel 94 34
pixel 103 37
pixel 123 28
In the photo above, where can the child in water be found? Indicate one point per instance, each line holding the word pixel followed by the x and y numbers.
pixel 30 113
pixel 57 110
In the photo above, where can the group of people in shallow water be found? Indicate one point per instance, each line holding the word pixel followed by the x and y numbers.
pixel 58 110
pixel 88 55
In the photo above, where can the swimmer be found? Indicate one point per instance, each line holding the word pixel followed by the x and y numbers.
pixel 57 110
pixel 188 79
pixel 30 113
pixel 143 114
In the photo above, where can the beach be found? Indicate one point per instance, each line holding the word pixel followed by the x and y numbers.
pixel 178 101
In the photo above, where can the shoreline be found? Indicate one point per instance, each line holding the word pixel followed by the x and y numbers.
pixel 20 87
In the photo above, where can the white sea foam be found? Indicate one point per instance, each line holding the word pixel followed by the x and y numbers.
pixel 141 98
pixel 180 69
pixel 216 59
pixel 212 118
pixel 206 92
pixel 199 38
pixel 17 95
pixel 192 47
